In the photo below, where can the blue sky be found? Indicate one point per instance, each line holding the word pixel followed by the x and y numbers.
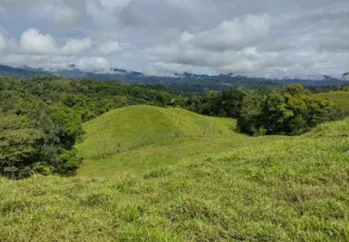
pixel 159 37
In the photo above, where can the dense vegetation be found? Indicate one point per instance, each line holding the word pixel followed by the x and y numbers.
pixel 41 120
pixel 163 173
pixel 220 104
pixel 290 110
pixel 261 189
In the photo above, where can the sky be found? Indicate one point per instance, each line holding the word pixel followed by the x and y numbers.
pixel 160 37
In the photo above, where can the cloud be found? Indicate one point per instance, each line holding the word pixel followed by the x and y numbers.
pixel 340 45
pixel 33 42
pixel 265 36
pixel 109 47
pixel 231 35
pixel 155 14
pixel 2 42
pixel 76 46
pixel 99 64
pixel 93 64
pixel 65 16
pixel 18 4
pixel 228 47
pixel 37 61
pixel 168 69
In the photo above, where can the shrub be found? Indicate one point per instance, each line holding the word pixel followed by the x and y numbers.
pixel 290 110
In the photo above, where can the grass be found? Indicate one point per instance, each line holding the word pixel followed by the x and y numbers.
pixel 262 189
pixel 339 97
pixel 140 137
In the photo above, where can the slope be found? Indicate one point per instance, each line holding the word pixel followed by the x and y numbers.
pixel 340 97
pixel 140 136
pixel 282 190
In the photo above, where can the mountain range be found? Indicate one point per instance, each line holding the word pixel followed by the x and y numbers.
pixel 178 81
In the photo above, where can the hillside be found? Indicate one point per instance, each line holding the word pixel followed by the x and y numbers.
pixel 22 73
pixel 269 189
pixel 340 97
pixel 139 137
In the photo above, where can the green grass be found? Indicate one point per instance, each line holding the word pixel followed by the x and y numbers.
pixel 141 137
pixel 341 98
pixel 262 189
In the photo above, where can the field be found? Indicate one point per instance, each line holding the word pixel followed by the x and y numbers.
pixel 341 98
pixel 132 139
pixel 154 174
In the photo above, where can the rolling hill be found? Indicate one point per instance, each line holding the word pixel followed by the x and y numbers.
pixel 340 97
pixel 186 177
pixel 138 137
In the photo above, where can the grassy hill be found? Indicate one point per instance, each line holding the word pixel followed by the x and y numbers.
pixel 340 97
pixel 140 137
pixel 206 184
pixel 135 126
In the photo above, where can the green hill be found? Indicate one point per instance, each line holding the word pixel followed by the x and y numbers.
pixel 136 126
pixel 340 97
pixel 206 184
pixel 139 137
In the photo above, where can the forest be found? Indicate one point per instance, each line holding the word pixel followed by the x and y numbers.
pixel 41 119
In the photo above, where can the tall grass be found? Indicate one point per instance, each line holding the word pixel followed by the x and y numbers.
pixel 268 189
pixel 340 97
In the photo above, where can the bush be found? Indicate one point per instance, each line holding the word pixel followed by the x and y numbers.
pixel 41 142
pixel 290 110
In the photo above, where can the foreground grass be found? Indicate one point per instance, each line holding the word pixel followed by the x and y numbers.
pixel 341 98
pixel 279 190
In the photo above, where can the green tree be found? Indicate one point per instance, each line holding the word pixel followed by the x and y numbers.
pixel 18 147
pixel 291 110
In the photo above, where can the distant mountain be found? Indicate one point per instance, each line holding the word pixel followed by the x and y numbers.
pixel 22 73
pixel 189 82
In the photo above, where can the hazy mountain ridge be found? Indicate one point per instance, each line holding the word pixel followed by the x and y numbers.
pixel 179 81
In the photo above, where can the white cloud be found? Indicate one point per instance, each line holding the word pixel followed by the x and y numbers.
pixel 231 35
pixel 169 69
pixel 93 64
pixel 229 47
pixel 76 46
pixel 236 36
pixel 37 61
pixel 37 49
pixel 109 47
pixel 33 42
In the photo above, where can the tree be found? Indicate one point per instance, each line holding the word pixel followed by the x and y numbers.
pixel 19 147
pixel 40 141
pixel 345 76
pixel 291 110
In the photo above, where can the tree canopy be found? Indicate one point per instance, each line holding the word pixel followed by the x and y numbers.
pixel 291 110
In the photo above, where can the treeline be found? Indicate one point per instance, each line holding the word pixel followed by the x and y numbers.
pixel 41 119
pixel 323 89
pixel 289 110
